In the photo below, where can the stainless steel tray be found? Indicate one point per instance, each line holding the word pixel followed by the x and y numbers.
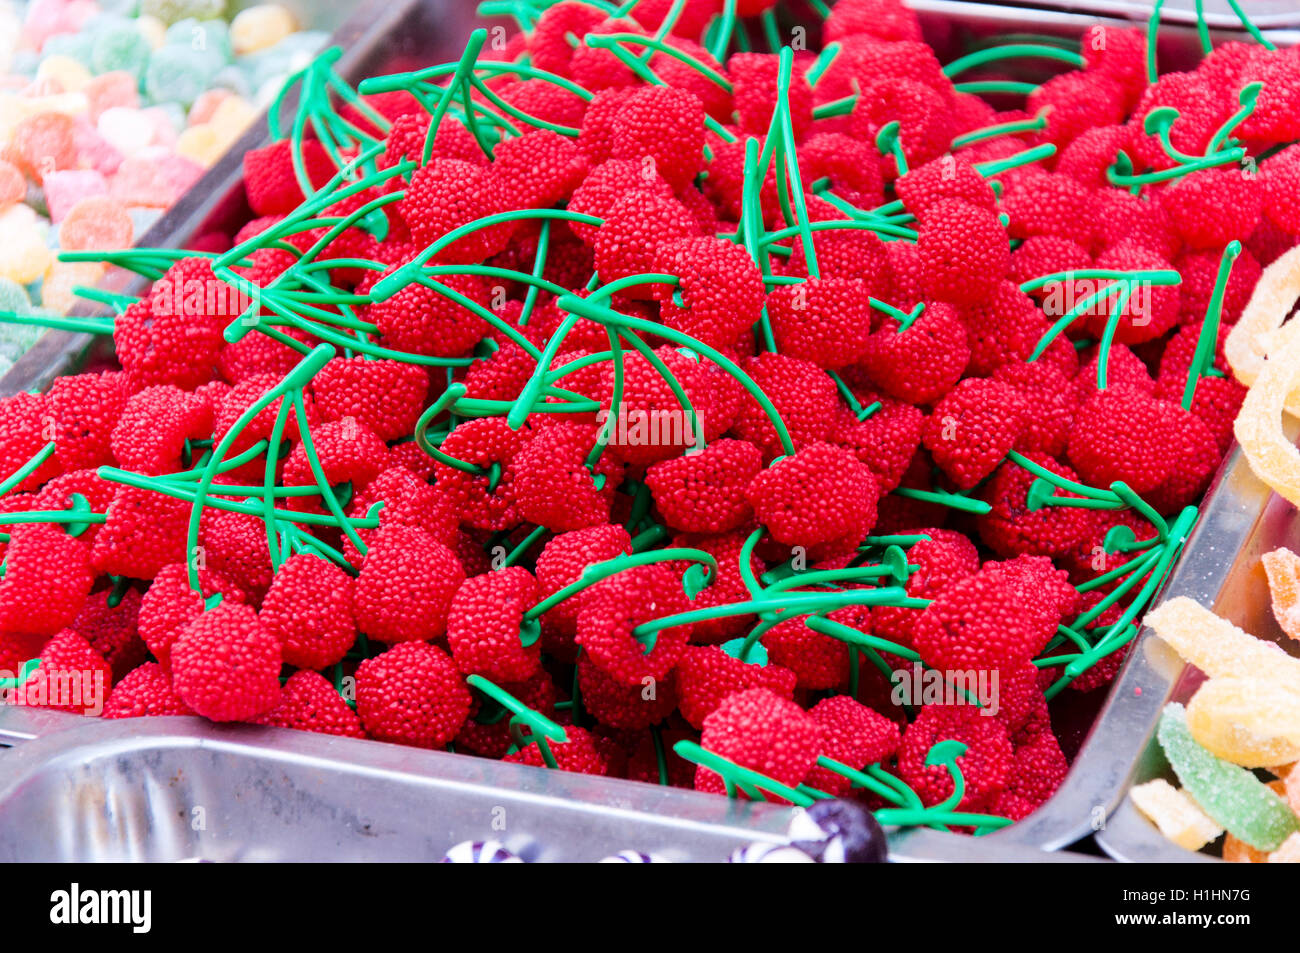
pixel 1245 521
pixel 165 789
pixel 61 780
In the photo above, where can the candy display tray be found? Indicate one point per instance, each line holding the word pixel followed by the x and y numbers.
pixel 78 789
pixel 1224 573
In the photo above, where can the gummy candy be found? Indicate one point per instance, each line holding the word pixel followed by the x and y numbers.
pixel 1283 569
pixel 1229 794
pixel 260 27
pixel 1248 721
pixel 1288 853
pixel 1179 817
pixel 1253 336
pixel 1217 647
pixel 98 223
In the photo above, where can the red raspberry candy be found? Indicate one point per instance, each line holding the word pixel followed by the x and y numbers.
pixel 554 488
pixel 1004 328
pixel 615 606
pixel 636 223
pixel 539 168
pixel 819 661
pixel 269 177
pixel 1051 205
pixel 113 630
pixel 583 753
pixel 759 730
pixel 85 409
pixel 886 19
pixel 491 738
pixel 605 184
pixel 803 395
pixel 308 609
pixel 1212 207
pixel 172 348
pixel 979 622
pixel 386 396
pixel 406 586
pixel 853 167
pixel 548 45
pixel 1090 156
pixel 407 136
pixel 1121 435
pixel 985 766
pixel 1122 217
pixel 721 289
pixel 707 676
pixel 1037 770
pixel 854 735
pixel 1051 400
pixel 665 126
pixel 973 427
pixel 822 320
pixel 421 320
pixel 310 703
pixel 963 251
pixel 412 695
pixel 483 442
pixel 943 179
pixel 1274 118
pixel 754 80
pixel 819 494
pixel 1011 527
pixel 27 424
pixel 47 578
pixel 650 423
pixel 562 562
pixel 626 707
pixel 1279 182
pixel 348 450
pixel 151 432
pixel 885 442
pixel 145 691
pixel 409 501
pixel 924 362
pixel 705 492
pixel 72 677
pixel 1201 111
pixel 485 622
pixel 169 605
pixel 944 558
pixel 226 665
pixel 726 588
pixel 1198 457
pixel 1200 270
pixel 449 193
pixel 1076 102
pixel 922 113
pixel 1125 371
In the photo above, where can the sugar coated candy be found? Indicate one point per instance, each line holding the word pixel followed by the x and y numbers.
pixel 1236 800
pixel 1283 569
pixel 1179 817
pixel 1219 648
pixel 1248 721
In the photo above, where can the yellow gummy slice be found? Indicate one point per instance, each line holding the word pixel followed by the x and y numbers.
pixel 1252 722
pixel 1258 427
pixel 1172 810
pixel 1283 570
pixel 1220 649
pixel 1254 336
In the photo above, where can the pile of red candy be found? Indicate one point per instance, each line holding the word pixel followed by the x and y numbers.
pixel 338 515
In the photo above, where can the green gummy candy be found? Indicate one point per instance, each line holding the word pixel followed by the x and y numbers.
pixel 172 11
pixel 1237 800
pixel 120 47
